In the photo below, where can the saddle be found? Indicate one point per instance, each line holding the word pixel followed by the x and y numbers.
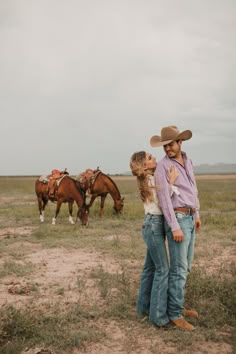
pixel 54 181
pixel 87 179
pixel 58 174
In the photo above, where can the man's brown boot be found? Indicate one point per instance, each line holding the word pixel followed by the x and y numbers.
pixel 183 324
pixel 190 313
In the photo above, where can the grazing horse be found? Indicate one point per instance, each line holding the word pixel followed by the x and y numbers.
pixel 65 190
pixel 98 184
pixel 42 189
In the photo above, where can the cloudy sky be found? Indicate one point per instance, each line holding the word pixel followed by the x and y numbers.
pixel 87 83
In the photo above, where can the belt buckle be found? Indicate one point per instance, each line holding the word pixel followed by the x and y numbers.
pixel 191 211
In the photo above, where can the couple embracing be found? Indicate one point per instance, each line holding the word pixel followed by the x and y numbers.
pixel 171 207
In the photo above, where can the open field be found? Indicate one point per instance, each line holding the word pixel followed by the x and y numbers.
pixel 198 177
pixel 70 289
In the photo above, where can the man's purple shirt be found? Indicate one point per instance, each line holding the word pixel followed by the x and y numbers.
pixel 186 183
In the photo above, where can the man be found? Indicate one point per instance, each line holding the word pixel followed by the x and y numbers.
pixel 181 212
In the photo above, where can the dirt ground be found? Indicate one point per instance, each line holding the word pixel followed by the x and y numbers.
pixel 59 268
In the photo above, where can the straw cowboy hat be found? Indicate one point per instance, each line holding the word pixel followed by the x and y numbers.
pixel 169 134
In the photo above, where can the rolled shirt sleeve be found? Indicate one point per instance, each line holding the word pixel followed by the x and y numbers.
pixel 164 197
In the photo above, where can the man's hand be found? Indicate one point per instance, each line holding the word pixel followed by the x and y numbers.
pixel 178 235
pixel 197 224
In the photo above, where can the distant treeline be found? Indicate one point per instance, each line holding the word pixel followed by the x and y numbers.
pixel 206 169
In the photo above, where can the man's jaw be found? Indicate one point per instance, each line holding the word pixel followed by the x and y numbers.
pixel 171 155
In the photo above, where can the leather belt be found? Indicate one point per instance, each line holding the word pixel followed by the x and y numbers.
pixel 189 211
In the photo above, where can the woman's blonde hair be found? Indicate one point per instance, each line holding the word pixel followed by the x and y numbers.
pixel 138 169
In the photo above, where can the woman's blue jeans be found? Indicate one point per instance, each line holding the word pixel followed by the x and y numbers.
pixel 152 297
pixel 181 257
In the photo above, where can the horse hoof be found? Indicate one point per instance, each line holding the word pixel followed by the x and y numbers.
pixel 71 220
pixel 53 221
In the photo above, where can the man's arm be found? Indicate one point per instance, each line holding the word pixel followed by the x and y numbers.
pixel 163 194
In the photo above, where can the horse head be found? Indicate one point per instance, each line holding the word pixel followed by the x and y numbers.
pixel 83 214
pixel 118 205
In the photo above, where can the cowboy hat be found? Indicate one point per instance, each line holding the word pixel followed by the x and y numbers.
pixel 169 134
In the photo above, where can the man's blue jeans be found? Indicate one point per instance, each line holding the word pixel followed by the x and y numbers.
pixel 181 257
pixel 152 297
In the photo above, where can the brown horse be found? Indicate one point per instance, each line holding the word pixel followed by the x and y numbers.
pixel 98 184
pixel 66 190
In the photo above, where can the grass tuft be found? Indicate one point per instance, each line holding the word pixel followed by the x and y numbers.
pixel 54 328
pixel 214 297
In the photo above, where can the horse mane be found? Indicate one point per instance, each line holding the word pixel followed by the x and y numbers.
pixel 111 180
pixel 78 186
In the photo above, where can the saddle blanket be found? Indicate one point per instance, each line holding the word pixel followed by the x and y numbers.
pixel 44 178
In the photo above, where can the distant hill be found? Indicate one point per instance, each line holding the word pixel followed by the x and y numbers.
pixel 205 169
pixel 219 168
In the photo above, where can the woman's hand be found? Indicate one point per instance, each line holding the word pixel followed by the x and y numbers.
pixel 172 174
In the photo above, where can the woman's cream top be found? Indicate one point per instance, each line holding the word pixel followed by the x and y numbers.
pixel 152 207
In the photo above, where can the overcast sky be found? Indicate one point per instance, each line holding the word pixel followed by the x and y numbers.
pixel 87 83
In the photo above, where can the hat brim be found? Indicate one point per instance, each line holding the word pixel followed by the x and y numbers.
pixel 156 141
pixel 185 135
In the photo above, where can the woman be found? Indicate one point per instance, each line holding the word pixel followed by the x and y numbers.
pixel 152 297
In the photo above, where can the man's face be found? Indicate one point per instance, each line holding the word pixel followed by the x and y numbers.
pixel 173 149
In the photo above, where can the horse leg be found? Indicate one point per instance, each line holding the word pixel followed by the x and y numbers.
pixel 59 203
pixel 41 209
pixel 93 197
pixel 70 207
pixel 45 201
pixel 103 197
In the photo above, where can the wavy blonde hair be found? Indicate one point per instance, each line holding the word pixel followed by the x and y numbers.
pixel 138 169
